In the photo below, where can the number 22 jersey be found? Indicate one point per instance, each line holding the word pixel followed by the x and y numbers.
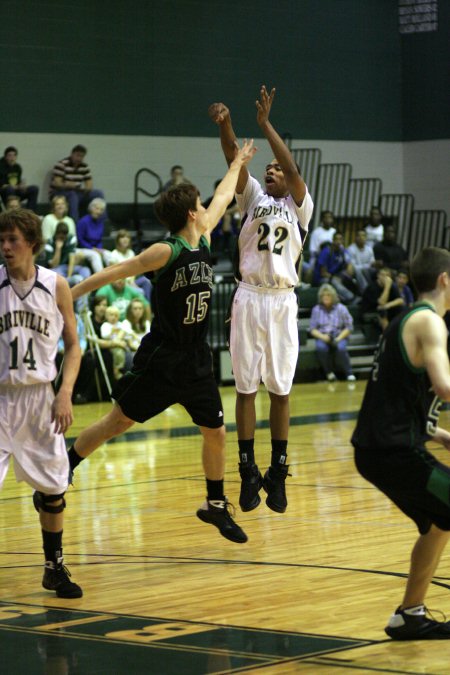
pixel 272 235
pixel 30 327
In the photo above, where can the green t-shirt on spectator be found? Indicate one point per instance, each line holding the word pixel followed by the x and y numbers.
pixel 121 299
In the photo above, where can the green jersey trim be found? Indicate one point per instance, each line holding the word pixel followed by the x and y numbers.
pixel 177 244
pixel 416 308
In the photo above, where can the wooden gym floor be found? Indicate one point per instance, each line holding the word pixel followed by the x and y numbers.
pixel 164 593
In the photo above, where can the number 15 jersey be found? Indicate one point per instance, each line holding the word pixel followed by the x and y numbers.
pixel 30 327
pixel 271 239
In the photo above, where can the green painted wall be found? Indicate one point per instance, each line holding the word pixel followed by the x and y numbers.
pixel 152 67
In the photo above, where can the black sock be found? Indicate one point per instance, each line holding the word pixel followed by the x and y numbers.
pixel 247 451
pixel 214 489
pixel 279 453
pixel 74 458
pixel 52 545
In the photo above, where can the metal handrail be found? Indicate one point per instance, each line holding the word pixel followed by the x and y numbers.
pixel 140 190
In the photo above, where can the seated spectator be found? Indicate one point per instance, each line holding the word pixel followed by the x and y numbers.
pixel 123 251
pixel 98 318
pixel 13 202
pixel 382 298
pixel 99 304
pixel 137 321
pixel 333 266
pixel 58 214
pixel 11 181
pixel 86 387
pixel 72 179
pixel 331 323
pixel 112 329
pixel 81 332
pixel 119 294
pixel 374 229
pixel 321 235
pixel 388 253
pixel 61 257
pixel 402 280
pixel 90 230
pixel 176 177
pixel 363 260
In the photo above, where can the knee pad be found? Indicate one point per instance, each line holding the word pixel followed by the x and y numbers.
pixel 45 502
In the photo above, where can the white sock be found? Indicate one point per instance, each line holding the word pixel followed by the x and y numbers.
pixel 417 610
pixel 397 620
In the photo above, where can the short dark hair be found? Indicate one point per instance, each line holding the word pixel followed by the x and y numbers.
pixel 427 266
pixel 10 148
pixel 79 148
pixel 98 299
pixel 172 206
pixel 27 222
pixel 62 228
pixel 175 167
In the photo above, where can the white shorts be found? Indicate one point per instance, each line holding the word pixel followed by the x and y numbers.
pixel 27 434
pixel 264 338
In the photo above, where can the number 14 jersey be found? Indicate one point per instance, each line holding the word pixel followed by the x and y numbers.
pixel 271 239
pixel 30 327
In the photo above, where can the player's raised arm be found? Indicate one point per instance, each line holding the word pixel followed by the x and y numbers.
pixel 224 192
pixel 220 114
pixel 295 183
pixel 153 258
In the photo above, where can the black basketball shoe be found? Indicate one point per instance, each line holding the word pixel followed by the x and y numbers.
pixel 417 627
pixel 274 484
pixel 57 578
pixel 251 484
pixel 217 512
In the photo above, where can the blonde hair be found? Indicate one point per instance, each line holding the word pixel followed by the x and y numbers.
pixel 115 310
pixel 330 290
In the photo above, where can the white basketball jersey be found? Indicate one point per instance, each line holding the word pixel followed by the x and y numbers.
pixel 271 238
pixel 30 328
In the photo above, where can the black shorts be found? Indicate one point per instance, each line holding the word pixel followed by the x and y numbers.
pixel 162 375
pixel 413 479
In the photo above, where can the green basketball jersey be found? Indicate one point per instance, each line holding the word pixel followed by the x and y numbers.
pixel 399 409
pixel 181 294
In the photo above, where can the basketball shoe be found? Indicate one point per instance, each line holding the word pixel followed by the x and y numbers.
pixel 251 484
pixel 417 626
pixel 217 513
pixel 274 483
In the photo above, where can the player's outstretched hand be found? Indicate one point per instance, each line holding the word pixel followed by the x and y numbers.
pixel 62 415
pixel 218 112
pixel 245 154
pixel 264 105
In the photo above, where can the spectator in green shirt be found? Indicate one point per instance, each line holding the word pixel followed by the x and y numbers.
pixel 120 294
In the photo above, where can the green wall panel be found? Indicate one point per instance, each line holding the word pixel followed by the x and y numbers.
pixel 152 67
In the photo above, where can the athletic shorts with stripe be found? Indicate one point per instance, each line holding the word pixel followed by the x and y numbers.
pixel 163 375
pixel 264 338
pixel 27 436
pixel 413 479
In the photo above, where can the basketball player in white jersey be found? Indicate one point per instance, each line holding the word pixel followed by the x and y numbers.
pixel 35 308
pixel 264 333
